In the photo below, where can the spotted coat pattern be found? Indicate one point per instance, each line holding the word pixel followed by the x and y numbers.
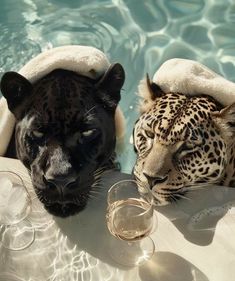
pixel 182 142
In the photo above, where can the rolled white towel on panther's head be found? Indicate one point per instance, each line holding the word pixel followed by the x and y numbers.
pixel 85 60
pixel 193 78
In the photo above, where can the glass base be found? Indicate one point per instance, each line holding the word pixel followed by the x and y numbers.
pixel 133 253
pixel 18 236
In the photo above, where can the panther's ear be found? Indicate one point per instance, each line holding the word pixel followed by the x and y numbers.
pixel 110 84
pixel 15 88
pixel 225 120
pixel 148 91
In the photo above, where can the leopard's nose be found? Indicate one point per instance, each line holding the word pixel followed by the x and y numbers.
pixel 61 183
pixel 154 180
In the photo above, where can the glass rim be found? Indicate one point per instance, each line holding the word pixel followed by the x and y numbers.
pixel 18 176
pixel 27 194
pixel 32 229
pixel 150 202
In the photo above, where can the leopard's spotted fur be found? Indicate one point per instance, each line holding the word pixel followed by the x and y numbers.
pixel 183 141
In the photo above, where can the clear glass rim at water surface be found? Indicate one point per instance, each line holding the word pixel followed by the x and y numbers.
pixel 15 175
pixel 149 195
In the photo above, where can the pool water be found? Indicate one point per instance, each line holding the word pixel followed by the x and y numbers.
pixel 139 34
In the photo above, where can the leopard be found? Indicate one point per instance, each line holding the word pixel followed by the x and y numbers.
pixel 182 142
pixel 64 133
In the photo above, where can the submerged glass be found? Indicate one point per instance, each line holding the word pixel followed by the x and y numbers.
pixel 16 232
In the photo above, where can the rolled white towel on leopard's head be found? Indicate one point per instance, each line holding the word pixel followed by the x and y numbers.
pixel 84 60
pixel 193 78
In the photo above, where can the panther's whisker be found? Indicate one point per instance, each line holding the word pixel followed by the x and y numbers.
pixel 92 197
pixel 98 192
pixel 98 172
pixel 94 194
pixel 87 112
pixel 96 185
pixel 97 177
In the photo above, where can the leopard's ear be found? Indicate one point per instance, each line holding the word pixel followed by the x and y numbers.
pixel 110 84
pixel 154 90
pixel 149 92
pixel 225 120
pixel 15 88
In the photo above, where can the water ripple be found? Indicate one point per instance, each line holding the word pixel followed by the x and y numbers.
pixel 224 35
pixel 148 14
pixel 182 8
pixel 15 52
pixel 198 36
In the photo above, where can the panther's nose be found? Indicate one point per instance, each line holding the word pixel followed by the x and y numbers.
pixel 153 180
pixel 63 184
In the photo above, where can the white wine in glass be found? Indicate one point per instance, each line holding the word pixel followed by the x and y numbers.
pixel 130 218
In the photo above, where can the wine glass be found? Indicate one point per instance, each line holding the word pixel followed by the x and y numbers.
pixel 16 232
pixel 130 219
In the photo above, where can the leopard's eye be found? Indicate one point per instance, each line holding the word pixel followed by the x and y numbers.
pixel 187 148
pixel 37 134
pixel 149 134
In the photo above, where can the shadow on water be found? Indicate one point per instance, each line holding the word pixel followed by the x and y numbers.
pixel 197 217
pixel 166 266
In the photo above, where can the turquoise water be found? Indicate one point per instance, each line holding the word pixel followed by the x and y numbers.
pixel 139 34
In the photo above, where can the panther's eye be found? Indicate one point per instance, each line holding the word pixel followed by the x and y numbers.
pixel 149 134
pixel 37 134
pixel 90 134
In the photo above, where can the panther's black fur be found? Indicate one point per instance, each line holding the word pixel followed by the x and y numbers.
pixel 65 132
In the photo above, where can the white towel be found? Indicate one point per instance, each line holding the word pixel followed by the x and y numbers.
pixel 193 78
pixel 87 61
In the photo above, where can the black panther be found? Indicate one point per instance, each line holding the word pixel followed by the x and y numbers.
pixel 65 132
